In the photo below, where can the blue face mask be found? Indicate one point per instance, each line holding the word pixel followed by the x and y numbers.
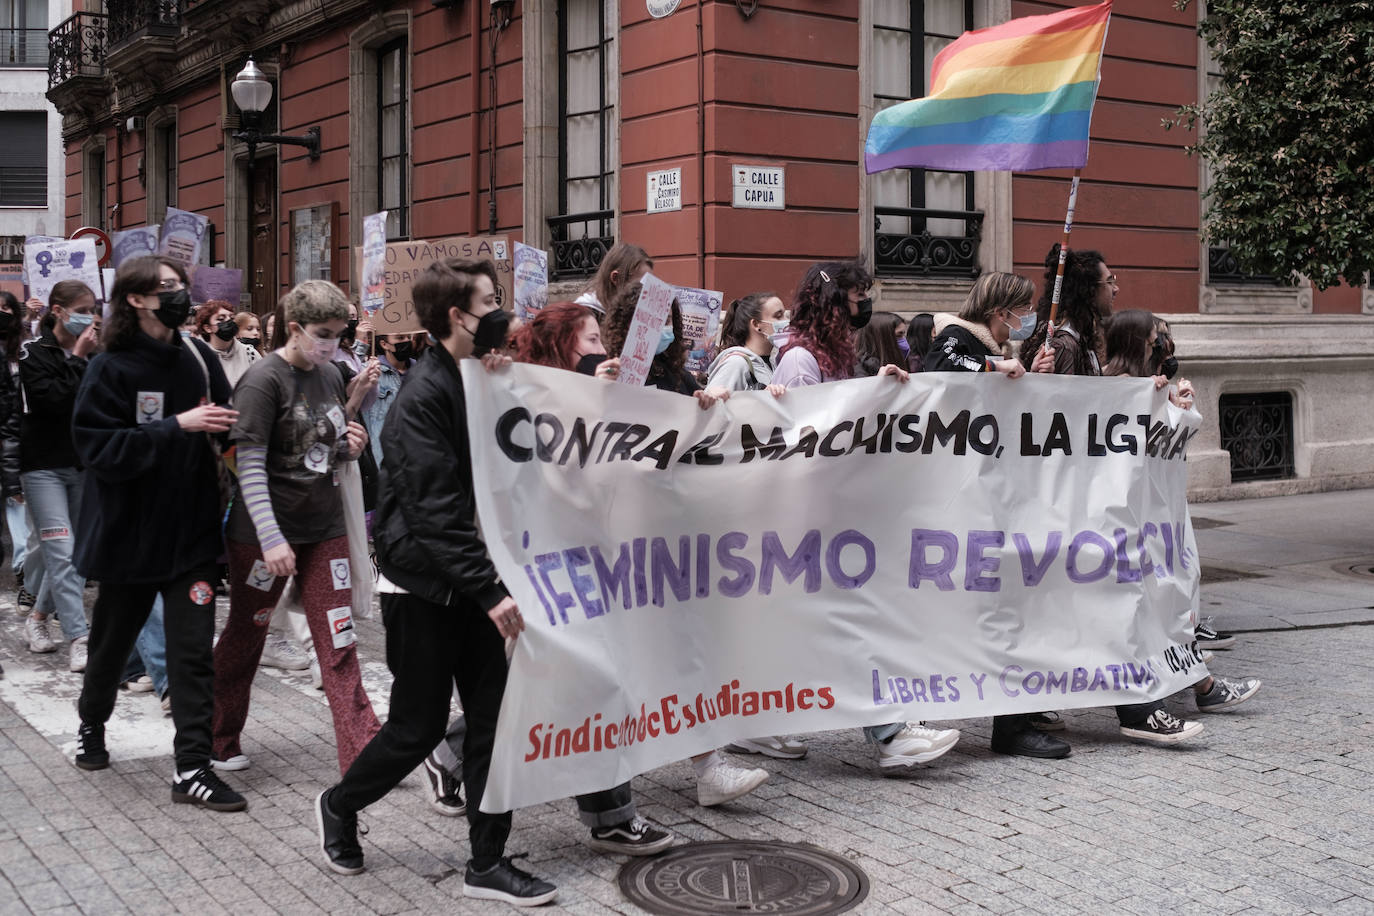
pixel 76 323
pixel 665 339
pixel 1028 323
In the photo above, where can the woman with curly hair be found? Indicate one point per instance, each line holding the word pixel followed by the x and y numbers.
pixel 668 371
pixel 1085 303
pixel 831 304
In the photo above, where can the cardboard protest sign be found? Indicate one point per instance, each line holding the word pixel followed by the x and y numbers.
pixel 700 321
pixel 641 341
pixel 183 234
pixel 224 283
pixel 531 280
pixel 405 260
pixel 133 243
pixel 49 263
pixel 373 280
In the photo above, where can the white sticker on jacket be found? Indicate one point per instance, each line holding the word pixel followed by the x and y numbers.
pixel 341 571
pixel 148 405
pixel 259 577
pixel 341 627
pixel 336 416
pixel 317 458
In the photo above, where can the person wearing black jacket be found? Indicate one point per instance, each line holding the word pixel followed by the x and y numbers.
pixel 11 408
pixel 997 309
pixel 150 523
pixel 50 369
pixel 444 607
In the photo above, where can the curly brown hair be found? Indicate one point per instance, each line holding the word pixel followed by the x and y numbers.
pixel 620 312
pixel 1077 301
pixel 820 315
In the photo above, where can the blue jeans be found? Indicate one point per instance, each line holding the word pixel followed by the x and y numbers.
pixel 54 500
pixel 150 651
pixel 16 518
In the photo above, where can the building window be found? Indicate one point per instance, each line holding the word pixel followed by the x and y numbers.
pixel 160 163
pixel 24 167
pixel 23 33
pixel 391 138
pixel 94 211
pixel 167 143
pixel 584 230
pixel 925 224
pixel 1257 429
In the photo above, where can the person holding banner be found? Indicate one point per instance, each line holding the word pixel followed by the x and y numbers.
pixel 997 309
pixel 623 264
pixel 751 330
pixel 50 370
pixel 566 336
pixel 150 524
pixel 11 408
pixel 880 344
pixel 446 612
pixel 292 433
pixel 831 303
pixel 216 325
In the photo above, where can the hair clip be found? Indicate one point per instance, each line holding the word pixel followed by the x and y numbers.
pixel 826 277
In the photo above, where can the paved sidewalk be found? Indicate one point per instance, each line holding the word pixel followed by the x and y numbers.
pixel 1269 812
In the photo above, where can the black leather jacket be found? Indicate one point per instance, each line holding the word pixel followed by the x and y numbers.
pixel 11 408
pixel 425 526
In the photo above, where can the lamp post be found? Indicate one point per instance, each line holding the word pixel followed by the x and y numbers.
pixel 252 93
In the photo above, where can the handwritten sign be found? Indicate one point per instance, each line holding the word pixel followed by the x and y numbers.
pixel 49 263
pixel 182 236
pixel 224 283
pixel 374 262
pixel 651 314
pixel 700 320
pixel 134 243
pixel 405 261
pixel 531 280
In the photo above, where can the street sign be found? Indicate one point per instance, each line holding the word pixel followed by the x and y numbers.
pixel 103 249
pixel 664 193
pixel 759 187
pixel 660 8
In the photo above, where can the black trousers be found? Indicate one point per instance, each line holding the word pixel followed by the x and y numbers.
pixel 1129 714
pixel 189 620
pixel 430 649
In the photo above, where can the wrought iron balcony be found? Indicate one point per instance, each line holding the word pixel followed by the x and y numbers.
pixel 23 47
pixel 134 19
pixel 916 252
pixel 575 257
pixel 1222 267
pixel 76 49
pixel 1257 429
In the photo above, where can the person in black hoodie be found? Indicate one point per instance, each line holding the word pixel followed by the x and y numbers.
pixel 446 612
pixel 997 309
pixel 150 520
pixel 50 369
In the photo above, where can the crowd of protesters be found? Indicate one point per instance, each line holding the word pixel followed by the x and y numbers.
pixel 118 435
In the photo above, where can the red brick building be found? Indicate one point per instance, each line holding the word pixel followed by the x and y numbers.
pixel 547 128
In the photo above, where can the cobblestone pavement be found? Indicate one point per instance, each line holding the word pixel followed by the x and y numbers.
pixel 1268 812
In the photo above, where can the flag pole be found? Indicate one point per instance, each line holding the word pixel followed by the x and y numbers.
pixel 1063 256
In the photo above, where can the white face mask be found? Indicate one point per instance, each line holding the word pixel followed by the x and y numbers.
pixel 778 336
pixel 318 351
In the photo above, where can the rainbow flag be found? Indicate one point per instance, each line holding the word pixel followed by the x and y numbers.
pixel 1015 97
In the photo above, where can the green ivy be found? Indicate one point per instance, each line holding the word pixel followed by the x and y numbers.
pixel 1290 136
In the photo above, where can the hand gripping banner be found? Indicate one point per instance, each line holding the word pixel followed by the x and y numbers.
pixel 850 554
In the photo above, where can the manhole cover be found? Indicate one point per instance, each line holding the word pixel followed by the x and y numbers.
pixel 1211 575
pixel 731 876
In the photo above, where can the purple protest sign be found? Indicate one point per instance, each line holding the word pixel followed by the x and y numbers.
pixel 224 283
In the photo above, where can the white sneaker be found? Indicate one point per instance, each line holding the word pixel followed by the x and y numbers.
pixel 280 652
pixel 236 762
pixel 140 684
pixel 779 746
pixel 36 631
pixel 78 654
pixel 916 743
pixel 724 782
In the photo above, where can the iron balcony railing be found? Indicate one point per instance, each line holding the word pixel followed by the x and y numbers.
pixel 578 247
pixel 1222 267
pixel 915 252
pixel 76 48
pixel 23 47
pixel 133 19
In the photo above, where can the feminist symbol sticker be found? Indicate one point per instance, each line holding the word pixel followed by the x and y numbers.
pixel 341 573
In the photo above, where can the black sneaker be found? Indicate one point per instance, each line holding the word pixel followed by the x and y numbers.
pixel 25 598
pixel 445 795
pixel 1227 692
pixel 90 747
pixel 1209 638
pixel 635 837
pixel 1047 721
pixel 1030 742
pixel 1163 727
pixel 338 837
pixel 206 789
pixel 504 882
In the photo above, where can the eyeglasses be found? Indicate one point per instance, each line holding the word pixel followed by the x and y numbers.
pixel 1110 280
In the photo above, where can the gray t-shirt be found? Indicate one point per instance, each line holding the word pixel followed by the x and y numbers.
pixel 299 415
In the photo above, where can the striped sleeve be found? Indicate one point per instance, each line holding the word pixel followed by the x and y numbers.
pixel 252 467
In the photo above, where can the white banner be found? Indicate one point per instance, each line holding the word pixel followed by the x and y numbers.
pixel 850 554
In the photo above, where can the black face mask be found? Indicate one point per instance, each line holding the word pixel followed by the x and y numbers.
pixel 403 352
pixel 587 364
pixel 173 307
pixel 7 323
pixel 1169 367
pixel 865 313
pixel 227 329
pixel 251 341
pixel 491 332
pixel 350 332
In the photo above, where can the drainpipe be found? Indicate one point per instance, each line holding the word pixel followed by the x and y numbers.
pixel 701 146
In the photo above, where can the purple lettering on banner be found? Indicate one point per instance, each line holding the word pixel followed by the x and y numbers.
pixel 806 559
pixel 1080 540
pixel 1180 533
pixel 939 571
pixel 742 568
pixel 1124 571
pixel 641 583
pixel 534 583
pixel 584 586
pixel 1002 680
pixel 1147 566
pixel 975 564
pixel 613 579
pixel 703 566
pixel 547 563
pixel 678 575
pixel 978 680
pixel 832 559
pixel 1167 531
pixel 1058 682
pixel 1032 572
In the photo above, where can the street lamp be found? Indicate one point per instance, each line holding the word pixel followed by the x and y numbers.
pixel 252 93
